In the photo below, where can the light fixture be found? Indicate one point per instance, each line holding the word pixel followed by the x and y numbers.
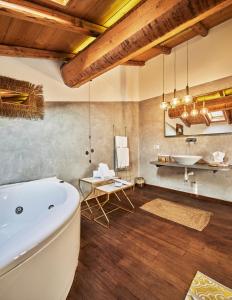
pixel 187 99
pixel 194 112
pixel 184 114
pixel 164 104
pixel 175 100
pixel 204 110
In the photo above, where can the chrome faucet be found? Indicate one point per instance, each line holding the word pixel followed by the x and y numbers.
pixel 191 140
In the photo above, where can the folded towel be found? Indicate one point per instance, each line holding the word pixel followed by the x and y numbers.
pixel 122 157
pixel 121 141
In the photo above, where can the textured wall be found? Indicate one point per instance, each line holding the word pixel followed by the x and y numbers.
pixel 152 133
pixel 56 146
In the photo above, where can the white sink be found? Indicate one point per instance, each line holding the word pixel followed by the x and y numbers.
pixel 187 160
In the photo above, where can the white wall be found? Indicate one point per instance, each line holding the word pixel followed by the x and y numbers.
pixel 209 59
pixel 119 84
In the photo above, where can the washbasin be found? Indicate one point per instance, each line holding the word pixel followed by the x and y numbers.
pixel 188 160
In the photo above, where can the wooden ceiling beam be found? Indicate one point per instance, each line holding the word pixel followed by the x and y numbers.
pixel 27 11
pixel 200 29
pixel 138 63
pixel 186 122
pixel 228 116
pixel 13 51
pixel 164 49
pixel 206 120
pixel 133 35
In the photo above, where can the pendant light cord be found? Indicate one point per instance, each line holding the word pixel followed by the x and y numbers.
pixel 90 123
pixel 163 77
pixel 187 63
pixel 89 111
pixel 175 72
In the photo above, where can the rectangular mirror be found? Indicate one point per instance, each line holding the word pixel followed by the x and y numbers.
pixel 217 120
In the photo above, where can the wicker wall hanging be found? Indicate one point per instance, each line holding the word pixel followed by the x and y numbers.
pixel 26 101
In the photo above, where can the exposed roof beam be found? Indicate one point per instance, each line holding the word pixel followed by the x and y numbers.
pixel 164 49
pixel 186 122
pixel 31 12
pixel 6 50
pixel 200 29
pixel 133 35
pixel 138 63
pixel 206 120
pixel 228 116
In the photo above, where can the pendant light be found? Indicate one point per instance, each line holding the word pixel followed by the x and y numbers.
pixel 194 112
pixel 184 114
pixel 187 99
pixel 91 150
pixel 204 110
pixel 164 104
pixel 175 100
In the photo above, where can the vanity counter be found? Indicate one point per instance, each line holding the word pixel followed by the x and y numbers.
pixel 199 166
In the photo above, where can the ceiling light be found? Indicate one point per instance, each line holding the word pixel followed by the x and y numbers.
pixel 187 99
pixel 194 112
pixel 164 104
pixel 175 100
pixel 184 114
pixel 204 110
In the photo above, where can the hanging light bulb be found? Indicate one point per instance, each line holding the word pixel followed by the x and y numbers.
pixel 184 114
pixel 187 99
pixel 175 100
pixel 194 112
pixel 204 109
pixel 164 104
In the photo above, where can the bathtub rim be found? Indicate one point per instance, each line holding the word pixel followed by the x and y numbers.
pixel 43 243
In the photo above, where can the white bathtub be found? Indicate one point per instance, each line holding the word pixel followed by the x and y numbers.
pixel 39 239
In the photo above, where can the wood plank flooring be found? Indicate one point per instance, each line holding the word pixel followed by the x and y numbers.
pixel 145 257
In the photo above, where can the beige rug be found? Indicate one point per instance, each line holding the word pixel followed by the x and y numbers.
pixel 188 216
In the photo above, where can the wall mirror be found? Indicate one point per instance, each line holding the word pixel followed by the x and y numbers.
pixel 20 99
pixel 213 115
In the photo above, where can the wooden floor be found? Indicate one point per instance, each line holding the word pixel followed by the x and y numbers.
pixel 145 257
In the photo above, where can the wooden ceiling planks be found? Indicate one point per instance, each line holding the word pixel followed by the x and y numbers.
pixel 31 12
pixel 132 36
pixel 97 11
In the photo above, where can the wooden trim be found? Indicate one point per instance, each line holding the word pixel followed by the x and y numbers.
pixel 6 50
pixel 194 196
pixel 133 35
pixel 35 13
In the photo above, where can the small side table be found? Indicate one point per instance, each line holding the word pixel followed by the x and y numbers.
pixel 109 189
pixel 93 183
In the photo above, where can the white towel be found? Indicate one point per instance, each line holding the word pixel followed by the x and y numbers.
pixel 120 141
pixel 122 157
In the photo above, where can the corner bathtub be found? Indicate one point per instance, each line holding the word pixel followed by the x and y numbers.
pixel 39 239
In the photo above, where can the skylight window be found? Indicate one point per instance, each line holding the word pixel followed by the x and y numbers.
pixel 61 2
pixel 216 116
